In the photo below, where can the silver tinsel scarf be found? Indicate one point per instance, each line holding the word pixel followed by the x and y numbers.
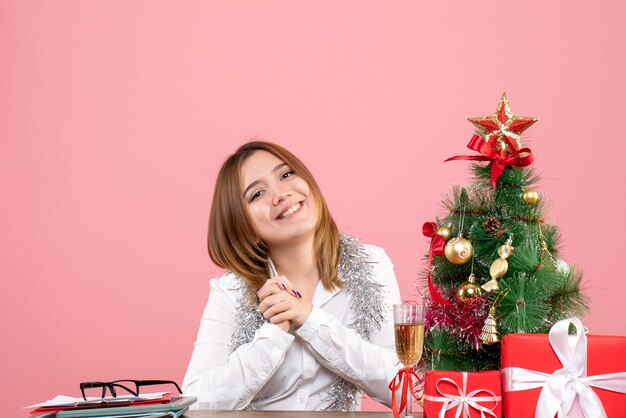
pixel 366 304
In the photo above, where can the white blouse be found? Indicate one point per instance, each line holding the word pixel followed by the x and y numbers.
pixel 292 371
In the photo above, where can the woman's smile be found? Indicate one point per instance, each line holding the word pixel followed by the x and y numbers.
pixel 291 211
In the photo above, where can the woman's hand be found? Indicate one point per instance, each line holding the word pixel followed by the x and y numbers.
pixel 280 303
pixel 271 287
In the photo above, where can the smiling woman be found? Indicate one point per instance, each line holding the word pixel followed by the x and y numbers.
pixel 302 318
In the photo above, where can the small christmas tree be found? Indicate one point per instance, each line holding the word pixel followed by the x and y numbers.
pixel 493 264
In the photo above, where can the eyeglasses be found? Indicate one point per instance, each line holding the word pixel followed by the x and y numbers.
pixel 130 386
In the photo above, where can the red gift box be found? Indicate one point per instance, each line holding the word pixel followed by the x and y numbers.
pixel 477 394
pixel 561 359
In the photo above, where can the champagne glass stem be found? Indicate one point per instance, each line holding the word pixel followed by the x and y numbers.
pixel 409 402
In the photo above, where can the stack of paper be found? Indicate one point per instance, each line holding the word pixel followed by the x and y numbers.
pixel 151 405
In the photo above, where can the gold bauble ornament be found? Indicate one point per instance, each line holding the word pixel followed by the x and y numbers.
pixel 445 232
pixel 468 289
pixel 458 250
pixel 530 196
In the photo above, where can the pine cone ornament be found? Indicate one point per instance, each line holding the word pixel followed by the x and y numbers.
pixel 491 225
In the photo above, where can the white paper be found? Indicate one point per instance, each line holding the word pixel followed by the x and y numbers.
pixel 62 400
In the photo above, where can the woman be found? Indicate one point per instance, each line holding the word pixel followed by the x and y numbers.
pixel 302 320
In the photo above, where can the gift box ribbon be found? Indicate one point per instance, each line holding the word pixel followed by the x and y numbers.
pixel 463 401
pixel 560 389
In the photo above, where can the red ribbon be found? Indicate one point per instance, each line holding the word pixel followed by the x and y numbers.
pixel 499 160
pixel 429 229
pixel 404 380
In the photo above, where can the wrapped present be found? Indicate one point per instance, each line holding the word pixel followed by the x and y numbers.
pixel 452 394
pixel 569 375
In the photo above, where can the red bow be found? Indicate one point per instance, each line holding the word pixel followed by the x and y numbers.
pixel 429 229
pixel 499 160
pixel 403 379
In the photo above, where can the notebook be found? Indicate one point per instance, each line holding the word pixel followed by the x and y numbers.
pixel 176 407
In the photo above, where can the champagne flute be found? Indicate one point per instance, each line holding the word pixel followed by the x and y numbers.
pixel 408 319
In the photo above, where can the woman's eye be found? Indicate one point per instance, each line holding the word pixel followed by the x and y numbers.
pixel 255 196
pixel 287 174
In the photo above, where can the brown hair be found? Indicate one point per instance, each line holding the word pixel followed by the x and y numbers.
pixel 234 243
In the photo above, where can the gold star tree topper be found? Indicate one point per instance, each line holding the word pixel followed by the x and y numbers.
pixel 503 129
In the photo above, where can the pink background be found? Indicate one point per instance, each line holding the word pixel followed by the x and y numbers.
pixel 116 115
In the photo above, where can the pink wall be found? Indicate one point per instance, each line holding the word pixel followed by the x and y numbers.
pixel 115 116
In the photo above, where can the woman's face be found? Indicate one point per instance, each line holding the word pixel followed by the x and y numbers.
pixel 279 201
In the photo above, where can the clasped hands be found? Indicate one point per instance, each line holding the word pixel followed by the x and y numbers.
pixel 282 305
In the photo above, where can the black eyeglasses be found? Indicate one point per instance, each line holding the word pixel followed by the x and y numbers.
pixel 130 386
